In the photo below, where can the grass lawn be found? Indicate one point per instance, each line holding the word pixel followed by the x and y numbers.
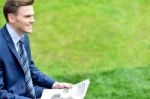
pixel 107 41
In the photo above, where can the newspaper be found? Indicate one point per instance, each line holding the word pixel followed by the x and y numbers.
pixel 78 91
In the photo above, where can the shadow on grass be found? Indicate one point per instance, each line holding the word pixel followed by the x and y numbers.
pixel 129 83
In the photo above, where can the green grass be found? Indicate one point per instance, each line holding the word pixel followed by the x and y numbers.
pixel 104 40
pixel 131 83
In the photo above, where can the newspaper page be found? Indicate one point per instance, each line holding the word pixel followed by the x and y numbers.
pixel 78 91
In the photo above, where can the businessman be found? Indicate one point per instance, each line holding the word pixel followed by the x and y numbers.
pixel 19 77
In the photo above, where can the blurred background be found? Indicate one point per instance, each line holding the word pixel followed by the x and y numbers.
pixel 106 41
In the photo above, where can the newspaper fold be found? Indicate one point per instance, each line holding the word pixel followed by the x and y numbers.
pixel 78 91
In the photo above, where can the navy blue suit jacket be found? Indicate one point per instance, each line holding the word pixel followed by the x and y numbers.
pixel 12 78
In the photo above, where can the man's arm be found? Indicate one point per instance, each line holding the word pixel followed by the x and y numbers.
pixel 39 78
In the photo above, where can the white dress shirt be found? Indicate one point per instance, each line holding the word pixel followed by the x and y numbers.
pixel 14 36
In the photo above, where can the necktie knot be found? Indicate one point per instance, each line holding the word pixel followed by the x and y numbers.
pixel 20 42
pixel 20 47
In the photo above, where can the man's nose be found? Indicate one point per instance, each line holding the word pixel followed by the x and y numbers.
pixel 32 20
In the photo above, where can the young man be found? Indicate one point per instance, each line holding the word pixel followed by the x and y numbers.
pixel 19 77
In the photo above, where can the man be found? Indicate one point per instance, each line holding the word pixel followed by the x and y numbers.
pixel 19 78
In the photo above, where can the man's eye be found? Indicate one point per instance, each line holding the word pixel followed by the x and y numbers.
pixel 27 16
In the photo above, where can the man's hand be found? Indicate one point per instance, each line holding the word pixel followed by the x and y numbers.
pixel 58 85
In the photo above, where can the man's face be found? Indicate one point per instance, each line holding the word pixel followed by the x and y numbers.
pixel 23 20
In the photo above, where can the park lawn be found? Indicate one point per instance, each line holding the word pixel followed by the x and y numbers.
pixel 104 40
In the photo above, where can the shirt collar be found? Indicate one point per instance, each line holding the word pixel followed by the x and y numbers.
pixel 15 37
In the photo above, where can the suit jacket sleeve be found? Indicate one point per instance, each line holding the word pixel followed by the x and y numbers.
pixel 38 77
pixel 4 94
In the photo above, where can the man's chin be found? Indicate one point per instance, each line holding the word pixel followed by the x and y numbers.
pixel 29 32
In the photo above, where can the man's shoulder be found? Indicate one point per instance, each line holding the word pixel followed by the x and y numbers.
pixel 0 34
pixel 1 40
pixel 2 30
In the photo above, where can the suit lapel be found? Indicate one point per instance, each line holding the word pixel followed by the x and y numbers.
pixel 10 43
pixel 13 49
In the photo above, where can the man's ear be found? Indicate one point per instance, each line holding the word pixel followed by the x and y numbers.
pixel 11 18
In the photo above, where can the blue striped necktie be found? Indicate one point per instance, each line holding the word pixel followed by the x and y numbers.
pixel 25 65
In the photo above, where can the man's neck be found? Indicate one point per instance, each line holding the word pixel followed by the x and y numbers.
pixel 16 30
